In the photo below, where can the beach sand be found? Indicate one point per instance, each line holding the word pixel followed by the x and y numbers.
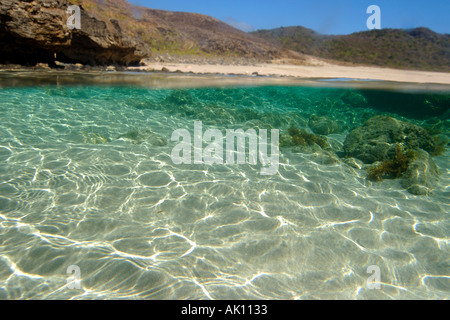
pixel 322 70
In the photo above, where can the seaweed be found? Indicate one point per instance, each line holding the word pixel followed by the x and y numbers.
pixel 303 138
pixel 180 97
pixel 439 146
pixel 393 167
pixel 433 130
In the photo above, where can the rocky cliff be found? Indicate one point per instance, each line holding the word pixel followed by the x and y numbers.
pixel 34 31
pixel 116 32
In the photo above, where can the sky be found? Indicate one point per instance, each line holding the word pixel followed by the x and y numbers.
pixel 323 16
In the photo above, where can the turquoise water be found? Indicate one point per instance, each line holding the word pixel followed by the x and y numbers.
pixel 87 179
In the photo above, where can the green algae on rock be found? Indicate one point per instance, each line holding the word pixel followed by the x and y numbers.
pixel 180 97
pixel 301 138
pixel 400 150
pixel 377 139
pixel 394 167
pixel 324 125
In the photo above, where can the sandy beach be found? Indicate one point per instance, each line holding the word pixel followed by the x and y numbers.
pixel 320 70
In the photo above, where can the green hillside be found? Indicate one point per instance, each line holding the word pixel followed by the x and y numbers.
pixel 419 48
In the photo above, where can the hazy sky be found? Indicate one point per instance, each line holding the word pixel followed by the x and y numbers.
pixel 324 16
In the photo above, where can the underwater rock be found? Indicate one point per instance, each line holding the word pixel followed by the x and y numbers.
pixel 94 138
pixel 393 167
pixel 377 139
pixel 286 140
pixel 303 142
pixel 157 140
pixel 213 115
pixel 246 114
pixel 416 168
pixel 180 97
pixel 306 149
pixel 297 137
pixel 354 99
pixel 139 136
pixel 279 120
pixel 323 125
pixel 142 105
pixel 336 146
pixel 325 157
pixel 256 125
pixel 353 163
pixel 181 103
pixel 422 174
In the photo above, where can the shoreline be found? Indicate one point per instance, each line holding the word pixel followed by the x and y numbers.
pixel 186 74
pixel 320 71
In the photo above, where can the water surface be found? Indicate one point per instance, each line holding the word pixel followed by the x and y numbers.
pixel 87 179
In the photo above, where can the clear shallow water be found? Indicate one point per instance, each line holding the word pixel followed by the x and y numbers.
pixel 86 179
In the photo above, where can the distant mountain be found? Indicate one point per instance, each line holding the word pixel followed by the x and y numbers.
pixel 419 48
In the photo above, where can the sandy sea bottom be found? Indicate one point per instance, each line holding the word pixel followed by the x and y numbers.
pixel 87 179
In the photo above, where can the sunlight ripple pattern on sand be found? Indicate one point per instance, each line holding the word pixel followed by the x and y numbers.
pixel 84 181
